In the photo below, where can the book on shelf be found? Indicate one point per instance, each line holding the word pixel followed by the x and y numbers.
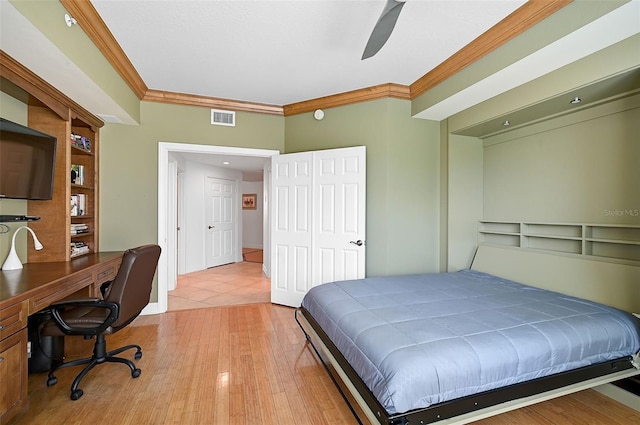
pixel 77 174
pixel 79 248
pixel 78 204
pixel 78 229
pixel 81 142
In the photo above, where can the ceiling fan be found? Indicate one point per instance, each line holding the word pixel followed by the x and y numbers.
pixel 384 27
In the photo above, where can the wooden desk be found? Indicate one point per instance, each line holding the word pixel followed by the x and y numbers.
pixel 29 290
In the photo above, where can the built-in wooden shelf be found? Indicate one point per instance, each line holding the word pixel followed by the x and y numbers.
pixel 607 242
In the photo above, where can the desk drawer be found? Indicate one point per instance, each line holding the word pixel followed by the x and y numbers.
pixel 13 318
pixel 106 273
pixel 13 370
pixel 46 298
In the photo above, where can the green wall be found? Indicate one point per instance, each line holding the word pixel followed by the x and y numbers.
pixel 464 201
pixel 129 163
pixel 580 168
pixel 402 177
pixel 13 110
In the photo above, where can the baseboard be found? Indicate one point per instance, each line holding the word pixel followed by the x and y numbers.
pixel 250 246
pixel 151 308
pixel 618 394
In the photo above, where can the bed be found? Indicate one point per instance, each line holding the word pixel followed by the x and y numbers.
pixel 456 347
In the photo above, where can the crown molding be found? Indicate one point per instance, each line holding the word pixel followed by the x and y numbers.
pixel 209 102
pixel 520 20
pixel 393 90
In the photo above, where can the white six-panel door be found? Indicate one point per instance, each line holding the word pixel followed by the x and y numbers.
pixel 318 220
pixel 220 221
pixel 339 207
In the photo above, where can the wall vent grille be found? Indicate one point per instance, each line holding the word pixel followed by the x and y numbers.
pixel 220 117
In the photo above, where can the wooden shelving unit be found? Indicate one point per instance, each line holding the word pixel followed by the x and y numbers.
pixel 51 112
pixel 608 242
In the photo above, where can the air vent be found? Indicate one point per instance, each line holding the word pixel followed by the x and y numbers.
pixel 220 117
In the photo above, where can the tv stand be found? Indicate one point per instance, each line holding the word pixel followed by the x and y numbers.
pixel 17 218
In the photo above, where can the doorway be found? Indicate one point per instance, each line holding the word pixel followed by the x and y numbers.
pixel 165 180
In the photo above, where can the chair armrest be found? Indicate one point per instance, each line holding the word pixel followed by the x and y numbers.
pixel 104 287
pixel 58 308
pixel 79 302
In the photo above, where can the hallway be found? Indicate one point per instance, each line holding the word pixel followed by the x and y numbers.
pixel 231 284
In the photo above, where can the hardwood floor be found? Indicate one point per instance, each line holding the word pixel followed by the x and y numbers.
pixel 224 365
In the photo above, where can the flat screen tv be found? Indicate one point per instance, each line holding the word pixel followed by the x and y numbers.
pixel 27 162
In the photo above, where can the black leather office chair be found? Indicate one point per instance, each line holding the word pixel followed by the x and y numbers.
pixel 122 301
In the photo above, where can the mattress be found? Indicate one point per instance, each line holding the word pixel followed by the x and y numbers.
pixel 420 340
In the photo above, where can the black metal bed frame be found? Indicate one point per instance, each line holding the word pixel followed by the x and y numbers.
pixel 453 408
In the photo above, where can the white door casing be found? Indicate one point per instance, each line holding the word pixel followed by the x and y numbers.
pixel 164 151
pixel 220 221
pixel 317 221
pixel 172 224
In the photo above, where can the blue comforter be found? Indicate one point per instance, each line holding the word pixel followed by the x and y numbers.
pixel 424 339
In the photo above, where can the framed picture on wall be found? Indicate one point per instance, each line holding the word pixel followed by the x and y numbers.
pixel 249 201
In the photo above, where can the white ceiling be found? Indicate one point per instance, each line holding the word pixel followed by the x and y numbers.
pixel 283 52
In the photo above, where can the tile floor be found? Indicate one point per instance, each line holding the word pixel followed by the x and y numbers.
pixel 232 284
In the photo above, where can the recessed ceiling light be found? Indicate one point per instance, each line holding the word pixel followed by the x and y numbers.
pixel 226 163
pixel 575 100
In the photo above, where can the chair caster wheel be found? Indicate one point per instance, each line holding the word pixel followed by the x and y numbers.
pixel 76 394
pixel 136 372
pixel 138 355
pixel 52 381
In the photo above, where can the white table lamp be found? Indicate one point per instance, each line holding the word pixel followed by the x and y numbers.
pixel 13 261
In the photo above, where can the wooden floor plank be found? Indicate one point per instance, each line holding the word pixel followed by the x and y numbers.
pixel 240 365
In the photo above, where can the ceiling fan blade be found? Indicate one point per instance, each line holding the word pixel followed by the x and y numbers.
pixel 384 27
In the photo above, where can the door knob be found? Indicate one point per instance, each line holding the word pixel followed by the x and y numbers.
pixel 211 227
pixel 358 242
